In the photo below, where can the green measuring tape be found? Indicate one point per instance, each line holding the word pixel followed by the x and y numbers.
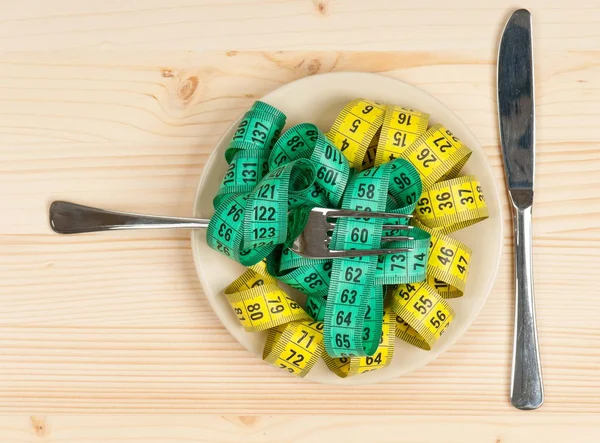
pixel 272 182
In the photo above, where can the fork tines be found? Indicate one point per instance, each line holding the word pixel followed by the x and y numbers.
pixel 315 238
pixel 339 213
pixel 348 213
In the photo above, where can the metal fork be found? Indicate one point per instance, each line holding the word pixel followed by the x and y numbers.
pixel 313 241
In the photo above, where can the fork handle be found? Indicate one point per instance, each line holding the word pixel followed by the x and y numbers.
pixel 527 390
pixel 71 218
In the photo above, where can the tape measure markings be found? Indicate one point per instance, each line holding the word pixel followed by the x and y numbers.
pixel 423 309
pixel 453 204
pixel 355 127
pixel 401 128
pixel 263 201
pixel 437 154
pixel 449 260
pixel 295 347
pixel 263 305
pixel 382 357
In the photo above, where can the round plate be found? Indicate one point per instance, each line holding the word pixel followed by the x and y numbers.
pixel 318 99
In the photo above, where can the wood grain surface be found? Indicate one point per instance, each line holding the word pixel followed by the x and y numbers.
pixel 118 105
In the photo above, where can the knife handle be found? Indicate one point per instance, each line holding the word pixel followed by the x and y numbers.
pixel 526 390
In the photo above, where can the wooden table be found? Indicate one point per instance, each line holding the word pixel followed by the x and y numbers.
pixel 119 103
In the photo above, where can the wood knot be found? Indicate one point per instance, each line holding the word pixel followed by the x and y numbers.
pixel 167 73
pixel 231 53
pixel 39 426
pixel 187 88
pixel 248 420
pixel 313 66
pixel 320 7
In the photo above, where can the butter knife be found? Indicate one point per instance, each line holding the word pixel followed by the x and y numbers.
pixel 516 112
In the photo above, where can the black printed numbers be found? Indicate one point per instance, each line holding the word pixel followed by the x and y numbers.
pixel 343 318
pixel 278 306
pixel 462 268
pixel 295 358
pixel 374 359
pixel 446 255
pixel 399 139
pixel 353 274
pixel 241 130
pixel 235 213
pixel 329 176
pixel 479 191
pixel 402 181
pixel 358 234
pixel 345 145
pixel 342 340
pixel 259 133
pixel 366 190
pixel 295 143
pixel 312 134
pixel 266 191
pixel 313 280
pixel 443 199
pixel 396 260
pixel 437 322
pixel 404 119
pixel 263 233
pixel 423 305
pixel 442 144
pixel 423 206
pixel 468 198
pixel 348 296
pixel 240 314
pixel 309 338
pixel 255 312
pixel 426 157
pixel 225 232
pixel 355 126
pixel 263 213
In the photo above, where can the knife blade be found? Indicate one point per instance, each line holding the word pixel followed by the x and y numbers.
pixel 516 105
pixel 516 114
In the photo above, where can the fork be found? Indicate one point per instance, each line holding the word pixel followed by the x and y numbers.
pixel 312 242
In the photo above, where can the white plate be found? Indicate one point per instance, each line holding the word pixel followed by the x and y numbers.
pixel 318 99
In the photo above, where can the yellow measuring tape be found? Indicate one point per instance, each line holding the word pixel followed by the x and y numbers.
pixel 348 366
pixel 259 303
pixel 437 154
pixel 452 204
pixel 401 128
pixel 425 314
pixel 448 263
pixel 295 346
pixel 354 129
pixel 370 134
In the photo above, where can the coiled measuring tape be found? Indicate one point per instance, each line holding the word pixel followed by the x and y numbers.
pixel 437 155
pixel 382 357
pixel 452 204
pixel 352 292
pixel 249 149
pixel 448 264
pixel 295 346
pixel 375 157
pixel 401 128
pixel 425 314
pixel 259 303
pixel 354 129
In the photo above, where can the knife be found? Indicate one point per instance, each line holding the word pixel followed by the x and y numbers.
pixel 516 113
